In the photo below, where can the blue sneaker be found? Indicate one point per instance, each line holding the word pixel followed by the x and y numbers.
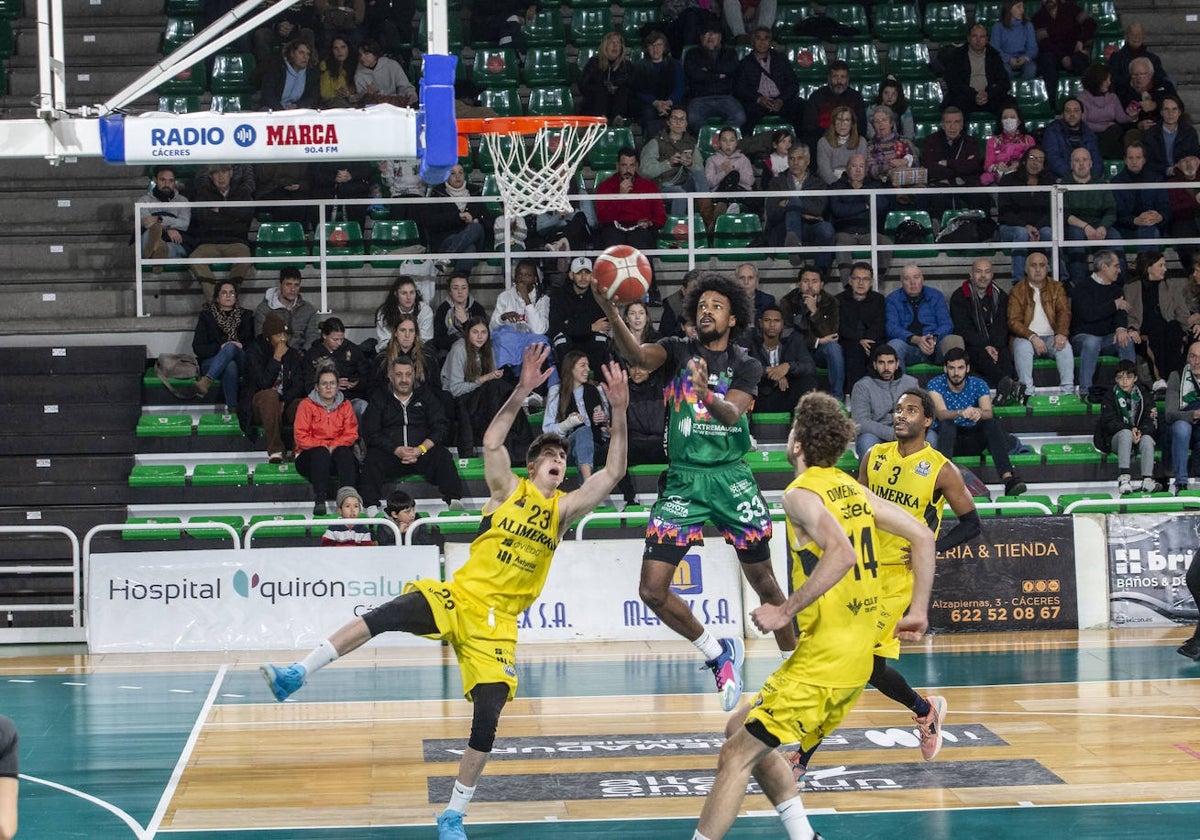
pixel 727 668
pixel 283 682
pixel 450 825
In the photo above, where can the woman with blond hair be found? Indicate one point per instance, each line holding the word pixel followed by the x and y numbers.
pixel 606 81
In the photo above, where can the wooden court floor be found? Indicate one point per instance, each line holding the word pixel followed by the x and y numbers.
pixel 1074 735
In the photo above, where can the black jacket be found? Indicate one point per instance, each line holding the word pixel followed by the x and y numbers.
pixel 971 321
pixel 350 361
pixel 387 423
pixel 263 369
pixel 779 70
pixel 208 338
pixel 710 73
pixel 1112 422
pixel 572 313
pixel 221 225
pixel 1017 209
pixel 442 220
pixel 957 74
pixel 1094 308
pixel 274 79
pixel 859 319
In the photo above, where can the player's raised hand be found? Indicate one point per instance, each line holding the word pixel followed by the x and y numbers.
pixel 616 385
pixel 532 374
pixel 698 368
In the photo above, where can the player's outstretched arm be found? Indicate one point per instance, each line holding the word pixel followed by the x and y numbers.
pixel 497 466
pixel 809 514
pixel 950 485
pixel 595 490
pixel 648 356
pixel 896 520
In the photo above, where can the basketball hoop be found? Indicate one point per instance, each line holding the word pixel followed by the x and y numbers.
pixel 536 178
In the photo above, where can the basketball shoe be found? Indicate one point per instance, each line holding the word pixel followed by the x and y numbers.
pixel 284 682
pixel 727 668
pixel 450 826
pixel 930 726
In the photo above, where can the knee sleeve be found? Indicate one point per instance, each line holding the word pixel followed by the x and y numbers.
pixel 489 700
pixel 409 613
pixel 759 552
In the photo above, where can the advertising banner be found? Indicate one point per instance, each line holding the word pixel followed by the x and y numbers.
pixel 591 593
pixel 1148 556
pixel 380 132
pixel 1018 574
pixel 270 598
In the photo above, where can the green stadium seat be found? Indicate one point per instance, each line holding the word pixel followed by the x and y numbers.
pixel 184 8
pixel 706 140
pixel 220 475
pixel 167 533
pixel 946 23
pixel 1101 502
pixel 603 155
pixel 546 28
pixel 546 65
pixel 504 101
pixel 786 18
pixel 850 14
pixel 1032 98
pixel 454 31
pixel 1068 86
pixel 276 474
pixel 190 80
pixel 1057 405
pixel 809 61
pixel 674 236
pixel 1103 46
pixel 179 104
pixel 158 475
pixel 235 522
pixel 496 67
pixel 343 239
pixel 11 9
pixel 232 73
pixel 893 220
pixel 279 530
pixel 923 128
pixel 177 32
pixel 1030 500
pixel 636 21
pixel 1023 459
pixel 230 103
pixel 165 425
pixel 550 101
pixel 218 425
pixel 981 125
pixel 280 239
pixel 897 22
pixel 1112 167
pixel 590 25
pixel 1071 453
pixel 738 231
pixel 390 234
pixel 769 461
pixel 447 525
pixel 863 59
pixel 581 59
pixel 1104 12
pixel 924 100
pixel 848 462
pixel 988 12
pixel 909 61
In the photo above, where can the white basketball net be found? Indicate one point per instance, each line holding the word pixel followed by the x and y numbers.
pixel 536 178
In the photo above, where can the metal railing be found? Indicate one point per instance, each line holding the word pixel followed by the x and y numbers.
pixel 76 606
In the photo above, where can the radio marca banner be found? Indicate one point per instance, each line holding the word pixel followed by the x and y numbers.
pixel 380 132
pixel 269 598
pixel 1148 557
pixel 1018 574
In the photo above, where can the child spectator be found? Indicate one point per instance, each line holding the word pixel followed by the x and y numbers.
pixel 1128 418
pixel 350 506
pixel 401 508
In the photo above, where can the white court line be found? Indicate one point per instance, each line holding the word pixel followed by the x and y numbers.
pixel 177 773
pixel 107 806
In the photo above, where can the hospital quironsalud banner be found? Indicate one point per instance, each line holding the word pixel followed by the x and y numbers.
pixel 1148 556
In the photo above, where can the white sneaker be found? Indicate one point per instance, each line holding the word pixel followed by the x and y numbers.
pixel 734 207
pixel 1149 485
pixel 1124 487
pixel 1159 385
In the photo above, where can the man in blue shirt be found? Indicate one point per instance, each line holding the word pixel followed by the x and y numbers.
pixel 966 424
pixel 918 321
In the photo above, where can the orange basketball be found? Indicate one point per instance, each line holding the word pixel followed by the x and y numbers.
pixel 623 274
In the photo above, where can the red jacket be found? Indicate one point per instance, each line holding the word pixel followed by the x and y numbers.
pixel 317 426
pixel 633 209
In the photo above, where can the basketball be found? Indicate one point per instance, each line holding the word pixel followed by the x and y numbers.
pixel 338 238
pixel 623 274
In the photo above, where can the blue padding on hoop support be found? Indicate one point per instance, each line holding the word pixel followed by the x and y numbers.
pixel 437 130
pixel 112 138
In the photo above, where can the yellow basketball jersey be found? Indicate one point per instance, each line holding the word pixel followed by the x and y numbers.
pixel 511 556
pixel 908 481
pixel 838 630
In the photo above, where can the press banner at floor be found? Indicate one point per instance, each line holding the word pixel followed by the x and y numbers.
pixel 1018 574
pixel 1148 556
pixel 592 592
pixel 269 598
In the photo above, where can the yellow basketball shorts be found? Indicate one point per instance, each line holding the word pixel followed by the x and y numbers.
pixel 800 712
pixel 896 583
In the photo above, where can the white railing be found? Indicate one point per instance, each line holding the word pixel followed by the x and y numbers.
pixel 307 522
pixel 73 569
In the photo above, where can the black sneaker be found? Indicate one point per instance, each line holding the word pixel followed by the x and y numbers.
pixel 1190 649
pixel 319 508
pixel 1014 486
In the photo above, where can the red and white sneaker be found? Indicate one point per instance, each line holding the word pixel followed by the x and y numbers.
pixel 930 726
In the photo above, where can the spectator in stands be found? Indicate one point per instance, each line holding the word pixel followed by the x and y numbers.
pixel 403 298
pixel 766 84
pixel 710 70
pixel 646 419
pixel 1143 97
pixel 979 311
pixel 291 82
pixel 728 173
pixel 873 400
pixel 577 323
pixel 1171 142
pixel 966 424
pixel 951 158
pixel 1128 418
pixel 501 23
pixel 578 410
pixel 1158 315
pixel 673 318
pixel 1183 415
pixel 888 151
pixel 975 74
pixel 918 320
pixel 223 331
pixel 286 182
pixel 401 508
pixel 380 79
pixel 344 18
pixel 788 369
pixel 406 341
pixel 1088 215
pixel 1134 47
pixel 1004 149
pixel 349 506
pixel 326 428
pixel 748 16
pixel 521 316
pixel 657 85
pixel 477 384
pixel 298 22
pixel 450 319
pixel 285 300
pixel 839 143
pixel 1063 30
pixel 812 314
pixel 461 225
pixel 818 110
pixel 1065 135
pixel 1185 208
pixel 1099 318
pixel 274 385
pixel 850 210
pixel 1039 320
pixel 1141 214
pixel 165 228
pixel 400 179
pixel 1025 216
pixel 670 160
pixel 348 360
pixel 891 95
pixel 220 232
pixel 343 179
pixel 337 76
pixel 775 161
pixel 637 318
pixel 1103 112
pixel 1014 38
pixel 795 220
pixel 243 176
pixel 634 220
pixel 606 81
pixel 405 430
pixel 862 322
pixel 391 23
pixel 747 277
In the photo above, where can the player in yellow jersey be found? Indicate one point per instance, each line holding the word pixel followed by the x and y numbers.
pixel 832 544
pixel 476 611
